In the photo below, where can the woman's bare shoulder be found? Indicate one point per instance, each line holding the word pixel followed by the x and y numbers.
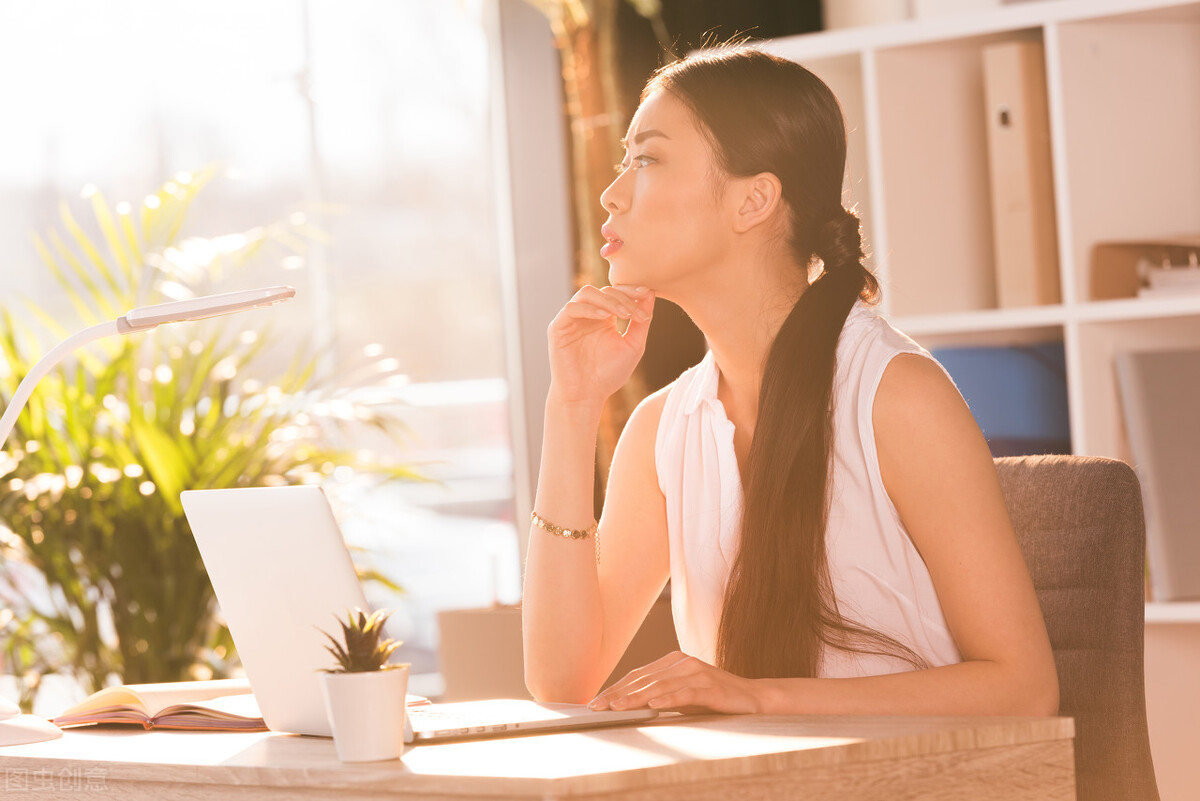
pixel 642 427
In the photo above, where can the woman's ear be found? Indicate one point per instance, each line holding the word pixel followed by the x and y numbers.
pixel 760 197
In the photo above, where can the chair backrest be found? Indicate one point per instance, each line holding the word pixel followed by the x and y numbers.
pixel 1080 526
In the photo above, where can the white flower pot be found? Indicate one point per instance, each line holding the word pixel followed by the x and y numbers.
pixel 366 713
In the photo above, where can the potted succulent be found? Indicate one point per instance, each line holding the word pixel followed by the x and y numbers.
pixel 364 694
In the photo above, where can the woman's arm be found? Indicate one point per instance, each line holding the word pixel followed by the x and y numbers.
pixel 579 617
pixel 939 474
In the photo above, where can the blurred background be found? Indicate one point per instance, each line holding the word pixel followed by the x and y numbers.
pixel 359 135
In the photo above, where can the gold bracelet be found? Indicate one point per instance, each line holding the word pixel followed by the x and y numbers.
pixel 559 531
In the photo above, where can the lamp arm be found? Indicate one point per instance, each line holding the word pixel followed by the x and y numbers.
pixel 47 363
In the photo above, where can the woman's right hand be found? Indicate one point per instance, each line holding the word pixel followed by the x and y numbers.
pixel 590 358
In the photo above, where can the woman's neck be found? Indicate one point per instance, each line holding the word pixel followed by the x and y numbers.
pixel 740 312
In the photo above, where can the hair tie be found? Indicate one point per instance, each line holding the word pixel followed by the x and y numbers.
pixel 840 243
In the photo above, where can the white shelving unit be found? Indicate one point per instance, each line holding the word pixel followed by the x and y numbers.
pixel 1123 89
pixel 1178 612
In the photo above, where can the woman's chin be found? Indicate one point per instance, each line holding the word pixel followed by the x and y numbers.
pixel 619 273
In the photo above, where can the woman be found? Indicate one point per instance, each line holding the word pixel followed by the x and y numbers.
pixel 815 488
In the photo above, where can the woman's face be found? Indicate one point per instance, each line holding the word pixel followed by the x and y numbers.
pixel 666 207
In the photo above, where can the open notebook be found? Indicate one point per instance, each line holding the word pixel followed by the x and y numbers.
pixel 220 705
pixel 281 571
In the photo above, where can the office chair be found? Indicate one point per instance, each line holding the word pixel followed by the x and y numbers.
pixel 1080 526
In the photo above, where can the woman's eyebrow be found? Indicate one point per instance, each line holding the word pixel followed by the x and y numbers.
pixel 642 136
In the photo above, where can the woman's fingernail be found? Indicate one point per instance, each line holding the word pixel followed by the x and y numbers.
pixel 654 702
pixel 641 290
pixel 619 703
pixel 643 315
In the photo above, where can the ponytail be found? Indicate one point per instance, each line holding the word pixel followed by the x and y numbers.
pixel 779 590
pixel 765 114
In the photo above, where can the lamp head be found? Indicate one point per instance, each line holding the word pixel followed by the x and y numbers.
pixel 139 319
pixel 146 317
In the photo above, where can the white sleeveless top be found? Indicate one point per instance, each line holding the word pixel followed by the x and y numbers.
pixel 879 579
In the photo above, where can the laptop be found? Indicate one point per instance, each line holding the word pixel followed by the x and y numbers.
pixel 281 570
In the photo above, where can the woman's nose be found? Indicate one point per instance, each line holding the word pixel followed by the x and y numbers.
pixel 613 198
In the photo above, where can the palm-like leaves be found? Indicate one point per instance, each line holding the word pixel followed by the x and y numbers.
pixel 99 575
pixel 363 647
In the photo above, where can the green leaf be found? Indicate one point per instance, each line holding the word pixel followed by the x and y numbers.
pixel 85 312
pixel 108 228
pixel 370 574
pixel 150 222
pixel 132 241
pixel 166 465
pixel 84 243
pixel 93 297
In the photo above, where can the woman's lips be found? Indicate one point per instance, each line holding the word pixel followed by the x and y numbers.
pixel 612 242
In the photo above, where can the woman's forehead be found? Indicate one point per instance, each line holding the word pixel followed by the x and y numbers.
pixel 662 114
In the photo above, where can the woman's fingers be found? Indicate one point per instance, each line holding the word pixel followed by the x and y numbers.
pixel 627 303
pixel 591 355
pixel 642 677
pixel 639 324
pixel 632 301
pixel 576 309
pixel 709 689
pixel 682 682
pixel 668 692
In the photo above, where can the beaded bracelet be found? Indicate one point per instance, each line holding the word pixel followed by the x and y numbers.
pixel 559 531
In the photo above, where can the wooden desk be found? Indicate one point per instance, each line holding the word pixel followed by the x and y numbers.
pixel 717 758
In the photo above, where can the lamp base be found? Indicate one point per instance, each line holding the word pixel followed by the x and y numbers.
pixel 25 729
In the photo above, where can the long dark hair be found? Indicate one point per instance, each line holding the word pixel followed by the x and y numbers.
pixel 765 114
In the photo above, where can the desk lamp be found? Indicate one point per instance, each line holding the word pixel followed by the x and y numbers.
pixel 15 728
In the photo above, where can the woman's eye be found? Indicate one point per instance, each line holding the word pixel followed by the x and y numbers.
pixel 636 162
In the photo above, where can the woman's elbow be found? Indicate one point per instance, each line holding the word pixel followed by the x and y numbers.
pixel 1039 696
pixel 1047 699
pixel 550 689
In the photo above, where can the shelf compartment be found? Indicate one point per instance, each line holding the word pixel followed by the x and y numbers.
pixel 1130 126
pixel 1011 17
pixel 990 320
pixel 1016 392
pixel 1137 309
pixel 1102 430
pixel 1032 317
pixel 936 186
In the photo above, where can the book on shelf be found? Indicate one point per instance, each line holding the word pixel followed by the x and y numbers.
pixel 1158 268
pixel 1024 235
pixel 1158 392
pixel 1170 280
pixel 218 705
pixel 1017 394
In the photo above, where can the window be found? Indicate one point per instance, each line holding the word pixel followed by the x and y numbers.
pixel 371 120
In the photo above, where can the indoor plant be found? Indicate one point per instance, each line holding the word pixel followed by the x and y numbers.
pixel 99 576
pixel 364 695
